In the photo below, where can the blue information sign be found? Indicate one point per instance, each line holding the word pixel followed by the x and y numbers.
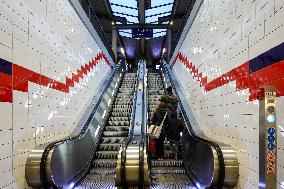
pixel 142 33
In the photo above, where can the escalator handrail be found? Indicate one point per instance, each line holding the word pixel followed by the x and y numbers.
pixel 130 135
pixel 53 144
pixel 211 143
pixel 143 143
pixel 145 107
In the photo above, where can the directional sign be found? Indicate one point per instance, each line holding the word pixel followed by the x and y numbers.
pixel 142 33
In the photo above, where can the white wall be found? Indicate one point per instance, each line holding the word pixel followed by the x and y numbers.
pixel 224 35
pixel 46 37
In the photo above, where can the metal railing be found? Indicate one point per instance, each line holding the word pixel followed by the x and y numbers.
pixel 221 159
pixel 132 169
pixel 121 176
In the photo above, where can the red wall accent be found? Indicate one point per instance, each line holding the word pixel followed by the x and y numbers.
pixel 21 76
pixel 271 75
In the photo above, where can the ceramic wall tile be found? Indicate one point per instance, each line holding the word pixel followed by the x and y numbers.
pixel 46 71
pixel 240 32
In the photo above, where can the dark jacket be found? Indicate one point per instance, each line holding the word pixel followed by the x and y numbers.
pixel 158 118
pixel 176 126
pixel 171 100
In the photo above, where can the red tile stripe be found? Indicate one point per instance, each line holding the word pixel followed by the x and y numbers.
pixel 22 76
pixel 271 75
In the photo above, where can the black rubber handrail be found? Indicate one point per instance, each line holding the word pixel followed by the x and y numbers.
pixel 43 162
pixel 128 139
pixel 214 144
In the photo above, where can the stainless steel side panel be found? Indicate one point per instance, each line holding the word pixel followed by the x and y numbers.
pixel 67 160
pixel 32 168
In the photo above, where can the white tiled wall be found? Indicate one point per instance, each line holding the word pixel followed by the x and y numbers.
pixel 224 35
pixel 47 37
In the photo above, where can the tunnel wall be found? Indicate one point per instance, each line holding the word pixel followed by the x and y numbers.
pixel 50 69
pixel 231 49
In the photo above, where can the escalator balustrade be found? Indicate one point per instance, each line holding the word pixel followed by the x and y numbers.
pixel 115 132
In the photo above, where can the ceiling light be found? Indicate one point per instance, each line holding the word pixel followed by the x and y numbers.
pixel 164 50
pixel 122 51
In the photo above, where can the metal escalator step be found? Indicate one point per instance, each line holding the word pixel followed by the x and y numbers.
pixel 119 123
pixel 106 154
pixel 117 128
pixel 119 118
pixel 125 103
pixel 111 163
pixel 122 110
pixel 167 170
pixel 109 147
pixel 102 171
pixel 97 181
pixel 115 133
pixel 167 163
pixel 116 114
pixel 171 181
pixel 113 140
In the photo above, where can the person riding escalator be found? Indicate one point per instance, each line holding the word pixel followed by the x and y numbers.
pixel 157 119
pixel 174 126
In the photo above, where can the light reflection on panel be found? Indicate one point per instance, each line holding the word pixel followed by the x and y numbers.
pixel 224 113
pixel 44 114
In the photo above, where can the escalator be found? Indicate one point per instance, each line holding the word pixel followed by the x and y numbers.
pixel 115 132
pixel 93 157
pixel 166 173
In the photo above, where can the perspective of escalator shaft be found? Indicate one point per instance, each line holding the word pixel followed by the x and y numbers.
pixel 116 130
pixel 167 172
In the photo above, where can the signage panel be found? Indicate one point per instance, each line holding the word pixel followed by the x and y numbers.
pixel 269 139
pixel 142 33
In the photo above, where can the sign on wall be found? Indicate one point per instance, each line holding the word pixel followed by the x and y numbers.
pixel 268 138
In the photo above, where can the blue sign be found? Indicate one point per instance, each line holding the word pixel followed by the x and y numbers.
pixel 142 33
pixel 271 139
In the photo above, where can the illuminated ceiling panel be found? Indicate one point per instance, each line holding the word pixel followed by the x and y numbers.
pixel 158 10
pixel 126 33
pixel 155 3
pixel 159 32
pixel 127 10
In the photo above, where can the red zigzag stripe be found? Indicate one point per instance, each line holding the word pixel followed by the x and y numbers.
pixel 21 76
pixel 271 75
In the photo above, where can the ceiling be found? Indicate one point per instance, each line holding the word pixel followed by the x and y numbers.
pixel 109 14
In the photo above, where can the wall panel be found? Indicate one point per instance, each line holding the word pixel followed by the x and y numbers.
pixel 224 36
pixel 50 69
